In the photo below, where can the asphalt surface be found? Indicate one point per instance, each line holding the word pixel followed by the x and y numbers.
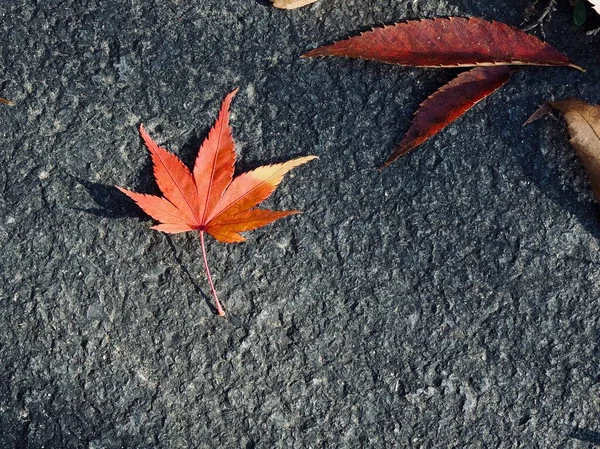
pixel 450 301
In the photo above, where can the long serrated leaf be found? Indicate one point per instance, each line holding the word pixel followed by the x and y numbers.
pixel 447 42
pixel 449 103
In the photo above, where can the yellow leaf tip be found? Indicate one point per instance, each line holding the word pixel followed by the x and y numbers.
pixel 577 67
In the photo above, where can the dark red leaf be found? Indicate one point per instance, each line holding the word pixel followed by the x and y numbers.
pixel 449 103
pixel 447 42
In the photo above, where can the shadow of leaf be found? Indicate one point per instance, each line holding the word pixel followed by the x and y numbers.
pixel 540 172
pixel 111 203
pixel 586 435
pixel 191 278
pixel 114 204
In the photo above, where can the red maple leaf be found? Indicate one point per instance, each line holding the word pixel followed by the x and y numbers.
pixel 208 199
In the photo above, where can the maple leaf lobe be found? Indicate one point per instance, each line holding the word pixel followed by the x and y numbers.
pixel 215 162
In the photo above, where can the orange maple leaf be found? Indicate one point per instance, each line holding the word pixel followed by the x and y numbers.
pixel 209 200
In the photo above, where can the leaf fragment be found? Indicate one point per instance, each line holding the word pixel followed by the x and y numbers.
pixel 449 103
pixel 579 13
pixel 447 42
pixel 291 4
pixel 209 199
pixel 583 124
pixel 6 102
pixel 543 110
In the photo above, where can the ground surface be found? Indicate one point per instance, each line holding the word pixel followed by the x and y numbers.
pixel 450 301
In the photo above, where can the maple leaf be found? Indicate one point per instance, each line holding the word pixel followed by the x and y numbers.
pixel 447 42
pixel 208 199
pixel 449 103
pixel 291 4
pixel 583 122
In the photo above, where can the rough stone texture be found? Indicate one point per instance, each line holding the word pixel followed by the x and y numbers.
pixel 450 301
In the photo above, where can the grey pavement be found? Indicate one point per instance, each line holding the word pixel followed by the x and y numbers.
pixel 450 301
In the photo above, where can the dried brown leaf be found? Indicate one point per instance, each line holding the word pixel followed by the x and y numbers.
pixel 583 123
pixel 291 4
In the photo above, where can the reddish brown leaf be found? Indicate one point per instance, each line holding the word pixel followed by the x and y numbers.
pixel 447 42
pixel 210 200
pixel 583 122
pixel 449 103
pixel 6 102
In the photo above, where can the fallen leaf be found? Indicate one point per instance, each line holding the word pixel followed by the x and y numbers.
pixel 209 200
pixel 449 103
pixel 583 123
pixel 291 4
pixel 6 102
pixel 447 42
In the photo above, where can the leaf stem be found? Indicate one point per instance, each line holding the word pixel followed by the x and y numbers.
pixel 220 310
